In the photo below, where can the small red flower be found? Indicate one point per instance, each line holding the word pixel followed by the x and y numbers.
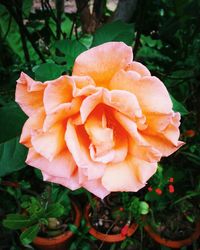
pixel 150 189
pixel 190 133
pixel 171 179
pixel 121 209
pixel 124 230
pixel 158 191
pixel 171 188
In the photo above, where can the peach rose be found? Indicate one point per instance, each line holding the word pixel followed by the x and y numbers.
pixel 104 128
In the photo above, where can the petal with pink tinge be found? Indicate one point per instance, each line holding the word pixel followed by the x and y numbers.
pixel 103 61
pixel 63 165
pixel 29 94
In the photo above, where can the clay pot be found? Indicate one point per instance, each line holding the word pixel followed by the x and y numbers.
pixel 173 243
pixel 59 242
pixel 110 238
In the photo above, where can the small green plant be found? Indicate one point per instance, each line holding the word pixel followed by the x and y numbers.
pixel 46 214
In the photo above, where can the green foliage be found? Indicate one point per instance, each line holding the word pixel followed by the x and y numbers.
pixel 17 221
pixel 12 156
pixel 39 212
pixel 178 107
pixel 29 234
pixel 12 119
pixel 115 31
pixel 48 71
pixel 70 49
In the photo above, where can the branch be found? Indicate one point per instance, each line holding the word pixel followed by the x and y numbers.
pixel 22 27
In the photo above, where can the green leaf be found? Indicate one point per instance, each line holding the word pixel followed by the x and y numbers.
pixel 29 235
pixel 66 25
pixel 48 71
pixel 178 107
pixel 115 31
pixel 12 156
pixel 38 173
pixel 71 49
pixel 16 221
pixel 73 228
pixel 27 4
pixel 12 119
pixel 54 210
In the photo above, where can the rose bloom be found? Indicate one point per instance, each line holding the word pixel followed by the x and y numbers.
pixel 104 128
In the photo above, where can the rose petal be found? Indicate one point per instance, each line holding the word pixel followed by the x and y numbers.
pixel 57 92
pixel 151 93
pixel 49 143
pixel 83 81
pixel 78 144
pixel 162 144
pixel 103 61
pixel 63 165
pixel 106 148
pixel 34 123
pixel 114 99
pixel 165 126
pixel 129 175
pixel 138 146
pixel 71 182
pixel 62 112
pixel 101 137
pixel 139 68
pixel 29 94
pixel 96 187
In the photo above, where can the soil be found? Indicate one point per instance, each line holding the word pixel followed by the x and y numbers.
pixel 108 217
pixel 174 225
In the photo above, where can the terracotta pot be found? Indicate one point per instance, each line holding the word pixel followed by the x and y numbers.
pixel 173 243
pixel 59 242
pixel 111 238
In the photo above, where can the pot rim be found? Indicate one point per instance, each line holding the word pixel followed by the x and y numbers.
pixel 107 237
pixel 173 243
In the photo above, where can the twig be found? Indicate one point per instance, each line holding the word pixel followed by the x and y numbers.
pixel 107 233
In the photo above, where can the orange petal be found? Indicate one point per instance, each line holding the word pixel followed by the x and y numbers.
pixel 71 182
pixel 83 81
pixel 29 94
pixel 137 145
pixel 34 123
pixel 49 143
pixel 151 93
pixel 103 61
pixel 78 144
pixel 62 112
pixel 62 165
pixel 139 68
pixel 96 187
pixel 101 137
pixel 162 144
pixel 129 175
pixel 144 152
pixel 164 125
pixel 83 85
pixel 114 99
pixel 57 92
